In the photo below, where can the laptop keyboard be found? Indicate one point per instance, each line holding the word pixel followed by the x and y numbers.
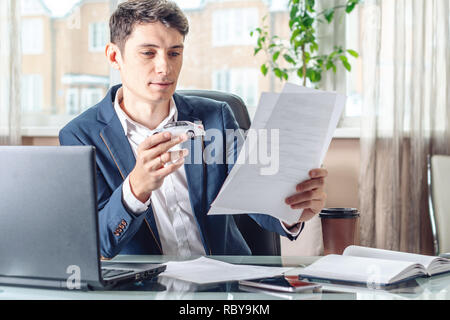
pixel 109 273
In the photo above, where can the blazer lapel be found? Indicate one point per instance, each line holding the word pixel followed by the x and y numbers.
pixel 119 147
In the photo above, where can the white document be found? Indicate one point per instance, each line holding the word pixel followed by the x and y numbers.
pixel 297 127
pixel 205 270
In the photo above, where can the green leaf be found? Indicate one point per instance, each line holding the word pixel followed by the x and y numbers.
pixel 311 75
pixel 294 12
pixel 343 58
pixel 353 53
pixel 289 59
pixel 310 5
pixel 264 69
pixel 300 73
pixel 278 73
pixel 345 63
pixel 332 55
pixel 329 14
pixel 307 21
pixel 330 64
pixel 295 34
pixel 351 4
pixel 275 56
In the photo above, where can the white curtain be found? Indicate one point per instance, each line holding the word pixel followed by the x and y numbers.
pixel 10 69
pixel 406 72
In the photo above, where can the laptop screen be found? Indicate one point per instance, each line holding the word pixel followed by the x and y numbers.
pixel 48 213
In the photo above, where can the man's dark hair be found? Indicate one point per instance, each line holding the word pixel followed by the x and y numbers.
pixel 130 13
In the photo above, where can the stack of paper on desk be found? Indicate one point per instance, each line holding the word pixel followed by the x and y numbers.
pixel 204 270
pixel 296 128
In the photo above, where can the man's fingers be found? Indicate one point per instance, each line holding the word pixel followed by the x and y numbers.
pixel 317 194
pixel 154 140
pixel 166 146
pixel 168 158
pixel 310 185
pixel 169 168
pixel 318 173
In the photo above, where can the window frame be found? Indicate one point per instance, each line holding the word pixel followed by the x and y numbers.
pixel 95 35
pixel 32 43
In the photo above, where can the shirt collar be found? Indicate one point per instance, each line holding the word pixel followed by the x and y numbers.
pixel 130 125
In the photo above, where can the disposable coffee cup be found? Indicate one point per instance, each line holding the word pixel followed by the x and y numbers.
pixel 340 229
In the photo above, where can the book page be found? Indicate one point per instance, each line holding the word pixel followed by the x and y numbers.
pixel 357 251
pixel 361 270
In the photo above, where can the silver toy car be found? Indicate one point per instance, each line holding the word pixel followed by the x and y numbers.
pixel 177 128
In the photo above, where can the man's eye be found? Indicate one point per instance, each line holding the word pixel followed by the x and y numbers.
pixel 174 54
pixel 148 53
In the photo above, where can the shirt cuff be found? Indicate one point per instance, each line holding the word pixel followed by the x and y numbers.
pixel 130 201
pixel 294 230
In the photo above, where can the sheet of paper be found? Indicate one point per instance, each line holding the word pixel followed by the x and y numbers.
pixel 300 122
pixel 205 270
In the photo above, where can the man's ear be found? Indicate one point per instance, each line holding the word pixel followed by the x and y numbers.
pixel 113 55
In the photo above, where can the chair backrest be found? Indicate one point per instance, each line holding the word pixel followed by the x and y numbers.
pixel 260 241
pixel 439 201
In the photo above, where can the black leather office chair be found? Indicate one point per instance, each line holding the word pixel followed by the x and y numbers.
pixel 260 241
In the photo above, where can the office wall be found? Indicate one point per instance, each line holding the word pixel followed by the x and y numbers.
pixel 342 162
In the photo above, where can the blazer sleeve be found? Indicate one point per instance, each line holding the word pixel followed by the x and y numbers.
pixel 117 225
pixel 233 147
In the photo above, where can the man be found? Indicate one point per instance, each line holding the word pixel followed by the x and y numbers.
pixel 150 201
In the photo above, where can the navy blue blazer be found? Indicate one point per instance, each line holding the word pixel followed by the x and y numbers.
pixel 99 126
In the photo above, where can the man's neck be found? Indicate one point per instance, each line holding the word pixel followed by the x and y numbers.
pixel 143 112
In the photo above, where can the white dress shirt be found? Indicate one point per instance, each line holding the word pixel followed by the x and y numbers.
pixel 175 220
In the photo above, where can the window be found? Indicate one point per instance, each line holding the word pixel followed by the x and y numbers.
pixel 242 82
pixel 232 27
pixel 31 93
pixel 32 8
pixel 72 101
pixel 64 72
pixel 90 97
pixel 32 36
pixel 353 108
pixel 98 33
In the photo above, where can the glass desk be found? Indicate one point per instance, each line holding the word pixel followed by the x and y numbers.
pixel 434 288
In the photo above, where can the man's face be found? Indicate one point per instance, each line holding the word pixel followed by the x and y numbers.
pixel 151 62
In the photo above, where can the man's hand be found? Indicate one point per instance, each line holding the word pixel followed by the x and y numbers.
pixel 152 163
pixel 310 195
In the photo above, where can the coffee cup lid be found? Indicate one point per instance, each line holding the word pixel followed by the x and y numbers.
pixel 339 213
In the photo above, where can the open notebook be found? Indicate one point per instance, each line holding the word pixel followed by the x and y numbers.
pixel 374 266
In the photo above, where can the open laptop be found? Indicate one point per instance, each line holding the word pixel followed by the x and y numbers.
pixel 48 222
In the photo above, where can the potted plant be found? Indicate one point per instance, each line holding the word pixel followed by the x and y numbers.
pixel 300 53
